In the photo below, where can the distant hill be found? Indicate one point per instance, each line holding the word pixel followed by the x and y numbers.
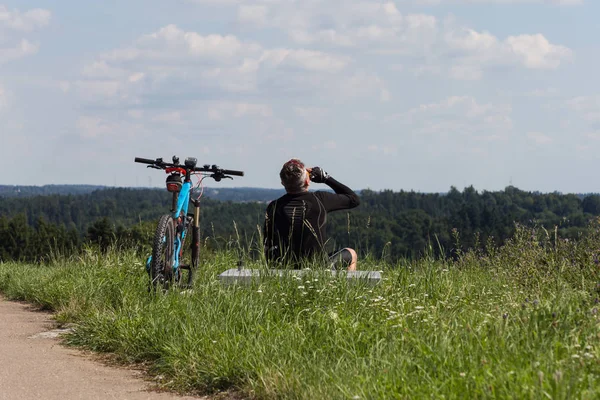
pixel 244 194
pixel 29 191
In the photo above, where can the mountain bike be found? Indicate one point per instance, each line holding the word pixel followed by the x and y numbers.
pixel 165 265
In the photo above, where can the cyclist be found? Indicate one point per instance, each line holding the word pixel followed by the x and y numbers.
pixel 294 227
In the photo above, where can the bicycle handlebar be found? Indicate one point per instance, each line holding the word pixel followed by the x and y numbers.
pixel 159 163
pixel 144 160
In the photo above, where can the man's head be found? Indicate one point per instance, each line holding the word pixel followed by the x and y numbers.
pixel 294 176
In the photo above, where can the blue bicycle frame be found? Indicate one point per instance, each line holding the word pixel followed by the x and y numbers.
pixel 183 202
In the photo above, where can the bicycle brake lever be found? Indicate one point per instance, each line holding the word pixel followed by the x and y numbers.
pixel 153 166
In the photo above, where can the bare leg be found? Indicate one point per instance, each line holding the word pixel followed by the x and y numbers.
pixel 352 266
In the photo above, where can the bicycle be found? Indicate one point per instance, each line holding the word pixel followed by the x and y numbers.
pixel 164 265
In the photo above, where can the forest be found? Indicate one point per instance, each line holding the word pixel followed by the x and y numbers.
pixel 388 224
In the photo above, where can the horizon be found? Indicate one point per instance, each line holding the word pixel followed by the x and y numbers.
pixel 312 188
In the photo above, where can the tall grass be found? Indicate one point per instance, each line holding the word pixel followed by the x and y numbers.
pixel 520 321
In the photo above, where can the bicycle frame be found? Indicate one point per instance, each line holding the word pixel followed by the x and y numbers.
pixel 181 200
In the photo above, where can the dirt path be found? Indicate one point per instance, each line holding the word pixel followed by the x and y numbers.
pixel 33 365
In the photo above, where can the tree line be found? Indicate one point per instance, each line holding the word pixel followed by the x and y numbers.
pixel 387 224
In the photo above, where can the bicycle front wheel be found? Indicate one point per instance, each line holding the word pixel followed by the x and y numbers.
pixel 161 269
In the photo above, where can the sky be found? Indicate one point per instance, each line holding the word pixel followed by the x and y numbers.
pixel 403 95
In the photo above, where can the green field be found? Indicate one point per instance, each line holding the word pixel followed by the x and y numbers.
pixel 520 321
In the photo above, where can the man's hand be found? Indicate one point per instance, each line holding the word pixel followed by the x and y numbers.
pixel 317 175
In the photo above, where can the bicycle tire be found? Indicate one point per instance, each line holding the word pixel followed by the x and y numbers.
pixel 162 252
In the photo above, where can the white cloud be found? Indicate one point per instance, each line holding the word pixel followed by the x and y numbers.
pixel 458 116
pixel 253 14
pixel 107 130
pixel 93 127
pixel 307 59
pixel 551 2
pixel 353 24
pixel 311 114
pixel 539 138
pixel 95 89
pixel 225 110
pixel 543 92
pixel 136 114
pixel 593 135
pixel 170 118
pixel 24 21
pixel 586 106
pixel 475 50
pixel 22 49
pixel 466 72
pixel 536 52
pixel 184 65
pixel 14 23
pixel 3 98
pixel 380 28
pixel 171 41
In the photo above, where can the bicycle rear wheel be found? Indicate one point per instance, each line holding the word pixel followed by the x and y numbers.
pixel 161 269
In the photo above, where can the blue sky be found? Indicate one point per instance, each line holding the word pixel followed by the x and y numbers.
pixel 413 94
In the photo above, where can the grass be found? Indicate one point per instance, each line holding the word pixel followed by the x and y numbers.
pixel 520 321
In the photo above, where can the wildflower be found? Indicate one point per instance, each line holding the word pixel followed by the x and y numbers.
pixel 588 355
pixel 575 356
pixel 259 291
pixel 300 287
pixel 419 307
pixel 558 376
pixel 412 285
pixel 462 374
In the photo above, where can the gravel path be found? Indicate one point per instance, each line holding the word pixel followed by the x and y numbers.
pixel 33 365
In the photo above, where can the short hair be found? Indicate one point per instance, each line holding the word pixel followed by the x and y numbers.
pixel 293 175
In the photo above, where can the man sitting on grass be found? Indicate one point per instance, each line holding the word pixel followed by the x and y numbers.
pixel 294 228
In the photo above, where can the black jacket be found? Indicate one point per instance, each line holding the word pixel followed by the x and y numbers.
pixel 294 225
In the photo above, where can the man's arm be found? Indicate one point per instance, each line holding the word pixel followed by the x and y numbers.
pixel 344 197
